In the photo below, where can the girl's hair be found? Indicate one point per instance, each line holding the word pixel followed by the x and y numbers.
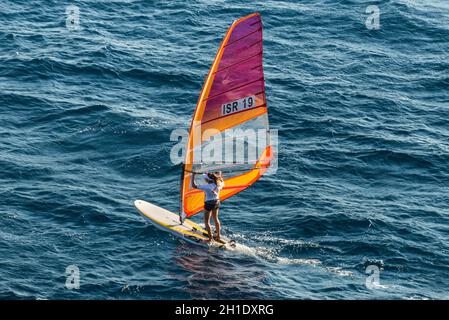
pixel 216 177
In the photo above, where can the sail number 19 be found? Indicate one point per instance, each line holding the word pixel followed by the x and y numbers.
pixel 238 105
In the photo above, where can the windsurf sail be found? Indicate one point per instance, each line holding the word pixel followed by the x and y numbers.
pixel 229 130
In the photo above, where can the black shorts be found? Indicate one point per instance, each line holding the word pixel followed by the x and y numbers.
pixel 211 205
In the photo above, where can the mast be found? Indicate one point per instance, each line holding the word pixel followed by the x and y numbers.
pixel 181 187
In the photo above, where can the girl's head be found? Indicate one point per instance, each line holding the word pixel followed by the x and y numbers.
pixel 215 177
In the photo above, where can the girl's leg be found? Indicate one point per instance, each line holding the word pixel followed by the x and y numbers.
pixel 217 223
pixel 207 223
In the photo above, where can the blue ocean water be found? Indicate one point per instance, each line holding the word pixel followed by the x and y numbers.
pixel 363 178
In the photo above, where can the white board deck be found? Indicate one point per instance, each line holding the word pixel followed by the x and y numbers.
pixel 169 221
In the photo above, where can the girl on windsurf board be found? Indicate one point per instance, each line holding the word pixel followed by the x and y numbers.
pixel 211 190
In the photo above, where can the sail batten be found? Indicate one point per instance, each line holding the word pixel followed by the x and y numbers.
pixel 232 99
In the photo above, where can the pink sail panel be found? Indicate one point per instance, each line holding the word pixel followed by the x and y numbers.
pixel 238 80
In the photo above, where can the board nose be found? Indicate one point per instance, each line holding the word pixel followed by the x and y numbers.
pixel 137 202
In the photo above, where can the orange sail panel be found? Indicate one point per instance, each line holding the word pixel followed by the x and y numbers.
pixel 233 97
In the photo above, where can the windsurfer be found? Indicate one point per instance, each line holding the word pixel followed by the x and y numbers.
pixel 211 190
